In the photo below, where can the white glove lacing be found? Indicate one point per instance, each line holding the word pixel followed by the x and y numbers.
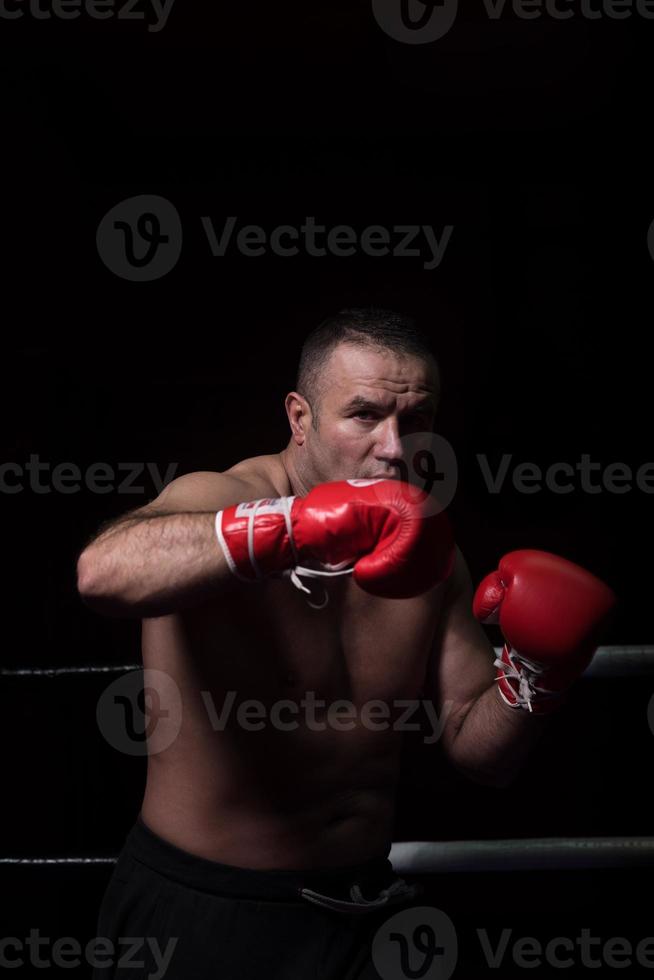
pixel 285 504
pixel 526 675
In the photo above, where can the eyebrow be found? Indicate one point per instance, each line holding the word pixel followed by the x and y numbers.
pixel 361 402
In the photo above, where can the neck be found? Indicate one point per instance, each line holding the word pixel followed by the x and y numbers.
pixel 298 483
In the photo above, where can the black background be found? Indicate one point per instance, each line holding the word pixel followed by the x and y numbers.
pixel 531 138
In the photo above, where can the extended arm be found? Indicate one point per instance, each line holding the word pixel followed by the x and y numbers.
pixel 163 557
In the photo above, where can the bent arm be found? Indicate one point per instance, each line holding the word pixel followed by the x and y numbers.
pixel 164 557
pixel 482 738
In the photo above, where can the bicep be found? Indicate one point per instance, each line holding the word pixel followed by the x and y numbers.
pixel 461 658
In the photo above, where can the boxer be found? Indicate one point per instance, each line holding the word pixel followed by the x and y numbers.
pixel 317 572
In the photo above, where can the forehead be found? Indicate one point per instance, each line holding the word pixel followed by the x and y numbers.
pixel 353 367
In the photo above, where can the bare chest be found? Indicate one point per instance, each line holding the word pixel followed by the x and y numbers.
pixel 268 641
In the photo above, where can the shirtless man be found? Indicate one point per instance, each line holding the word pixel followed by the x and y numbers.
pixel 269 819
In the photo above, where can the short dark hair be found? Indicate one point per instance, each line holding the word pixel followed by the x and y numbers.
pixel 370 327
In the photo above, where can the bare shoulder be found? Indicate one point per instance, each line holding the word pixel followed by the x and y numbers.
pixel 207 490
pixel 264 472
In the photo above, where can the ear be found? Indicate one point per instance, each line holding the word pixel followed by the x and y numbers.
pixel 299 415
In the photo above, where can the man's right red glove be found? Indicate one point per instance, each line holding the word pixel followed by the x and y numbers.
pixel 390 535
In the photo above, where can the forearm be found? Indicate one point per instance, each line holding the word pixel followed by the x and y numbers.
pixel 494 740
pixel 153 566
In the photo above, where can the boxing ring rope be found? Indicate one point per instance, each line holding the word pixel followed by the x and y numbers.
pixel 609 661
pixel 460 856
pixel 528 854
pixel 447 857
pixel 621 661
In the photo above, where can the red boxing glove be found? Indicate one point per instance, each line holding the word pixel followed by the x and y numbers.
pixel 384 532
pixel 551 613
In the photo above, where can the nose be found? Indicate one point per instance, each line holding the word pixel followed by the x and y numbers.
pixel 389 448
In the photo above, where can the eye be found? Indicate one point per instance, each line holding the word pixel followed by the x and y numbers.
pixel 359 415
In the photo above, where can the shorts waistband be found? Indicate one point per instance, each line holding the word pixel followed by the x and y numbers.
pixel 359 887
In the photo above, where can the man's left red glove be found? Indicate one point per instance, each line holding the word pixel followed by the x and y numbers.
pixel 551 613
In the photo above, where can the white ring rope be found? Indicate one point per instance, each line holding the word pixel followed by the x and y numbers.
pixel 609 661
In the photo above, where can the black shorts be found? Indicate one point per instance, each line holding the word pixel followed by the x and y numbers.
pixel 167 913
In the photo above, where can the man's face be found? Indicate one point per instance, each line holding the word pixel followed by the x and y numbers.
pixel 372 400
